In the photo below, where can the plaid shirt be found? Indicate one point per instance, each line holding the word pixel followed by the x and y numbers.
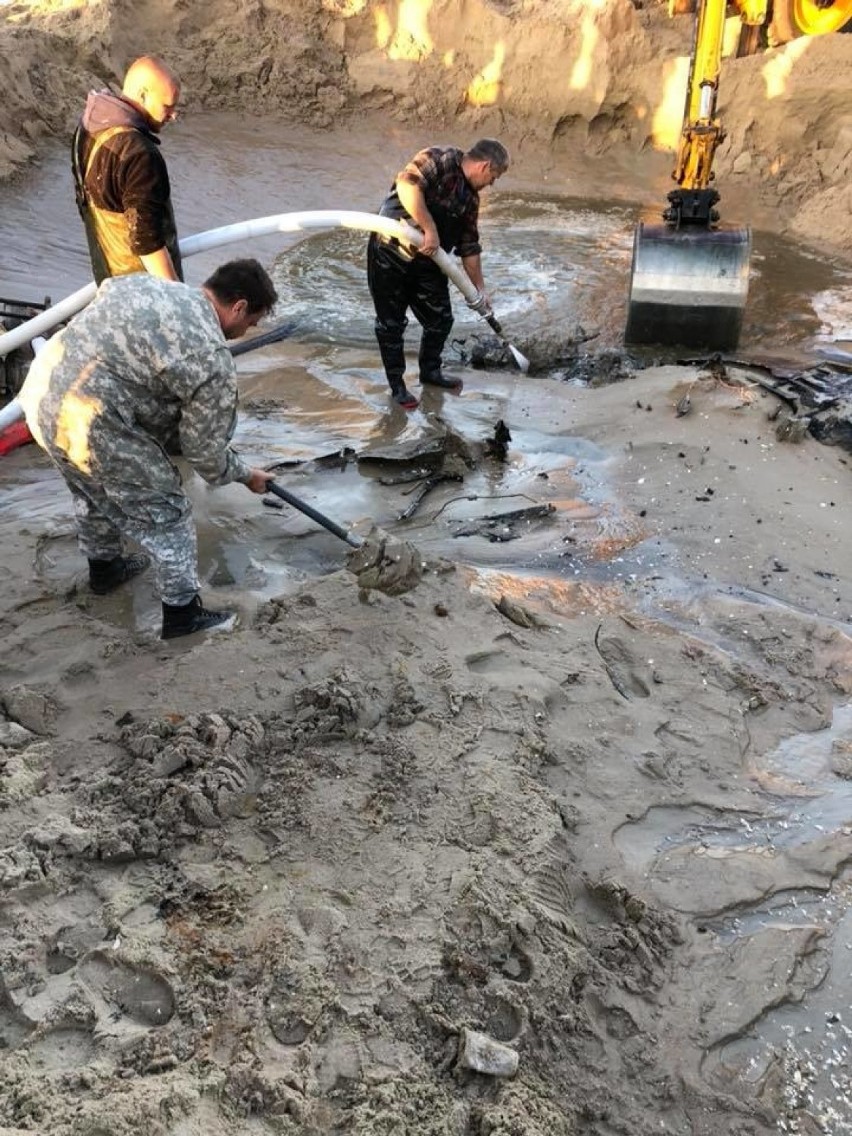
pixel 449 196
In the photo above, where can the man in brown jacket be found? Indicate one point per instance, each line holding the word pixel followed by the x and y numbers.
pixel 120 176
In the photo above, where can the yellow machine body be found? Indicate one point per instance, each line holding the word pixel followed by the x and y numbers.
pixel 689 277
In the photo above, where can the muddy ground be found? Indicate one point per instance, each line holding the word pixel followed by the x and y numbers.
pixel 265 883
pixel 268 883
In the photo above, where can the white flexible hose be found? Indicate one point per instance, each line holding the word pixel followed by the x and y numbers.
pixel 10 413
pixel 13 410
pixel 45 320
pixel 243 230
pixel 325 219
pixel 227 234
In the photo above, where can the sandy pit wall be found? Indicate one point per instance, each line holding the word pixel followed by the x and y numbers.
pixel 571 78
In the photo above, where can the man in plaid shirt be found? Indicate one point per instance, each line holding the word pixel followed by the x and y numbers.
pixel 438 191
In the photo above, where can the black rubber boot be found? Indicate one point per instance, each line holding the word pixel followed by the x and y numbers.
pixel 392 352
pixel 438 379
pixel 431 346
pixel 107 575
pixel 186 619
pixel 401 394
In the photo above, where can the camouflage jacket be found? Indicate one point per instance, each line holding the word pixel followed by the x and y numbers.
pixel 145 363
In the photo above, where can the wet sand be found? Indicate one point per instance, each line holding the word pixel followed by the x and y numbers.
pixel 586 793
pixel 264 883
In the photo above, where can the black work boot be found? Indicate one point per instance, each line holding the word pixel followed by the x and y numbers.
pixel 186 619
pixel 401 394
pixel 392 352
pixel 439 379
pixel 107 575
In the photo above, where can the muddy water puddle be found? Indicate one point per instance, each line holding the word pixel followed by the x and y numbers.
pixel 528 513
pixel 546 511
pixel 553 262
pixel 563 263
pixel 745 876
pixel 551 256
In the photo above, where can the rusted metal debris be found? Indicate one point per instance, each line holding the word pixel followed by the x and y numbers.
pixel 819 396
pixel 503 527
pixel 424 489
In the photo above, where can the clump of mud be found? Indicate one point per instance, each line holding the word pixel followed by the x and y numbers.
pixel 385 564
pixel 555 354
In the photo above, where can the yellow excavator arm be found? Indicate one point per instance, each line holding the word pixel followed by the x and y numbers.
pixel 689 279
pixel 702 131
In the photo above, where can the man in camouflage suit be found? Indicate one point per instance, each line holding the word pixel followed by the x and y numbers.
pixel 142 373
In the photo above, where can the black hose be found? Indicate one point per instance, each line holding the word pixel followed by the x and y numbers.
pixel 314 514
pixel 274 335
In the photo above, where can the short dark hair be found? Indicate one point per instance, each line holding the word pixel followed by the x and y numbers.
pixel 243 280
pixel 490 150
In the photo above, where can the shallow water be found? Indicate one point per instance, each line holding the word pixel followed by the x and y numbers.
pixel 816 802
pixel 554 261
pixel 550 256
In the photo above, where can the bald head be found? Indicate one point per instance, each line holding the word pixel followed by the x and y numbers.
pixel 154 88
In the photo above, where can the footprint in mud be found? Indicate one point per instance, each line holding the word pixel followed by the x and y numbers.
pixel 515 964
pixel 502 1020
pixel 506 672
pixel 228 789
pixel 70 942
pixel 605 901
pixel 137 992
pixel 551 891
pixel 296 1004
pixel 616 1020
pixel 620 666
pixel 62 1049
pixel 14 1024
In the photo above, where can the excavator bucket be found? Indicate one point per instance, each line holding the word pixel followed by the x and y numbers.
pixel 688 286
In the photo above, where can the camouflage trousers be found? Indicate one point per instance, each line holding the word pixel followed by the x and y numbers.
pixel 156 516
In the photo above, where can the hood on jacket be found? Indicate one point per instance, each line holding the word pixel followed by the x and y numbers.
pixel 104 110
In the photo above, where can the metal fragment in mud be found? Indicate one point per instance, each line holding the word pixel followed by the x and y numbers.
pixel 385 564
pixel 425 488
pixel 499 528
